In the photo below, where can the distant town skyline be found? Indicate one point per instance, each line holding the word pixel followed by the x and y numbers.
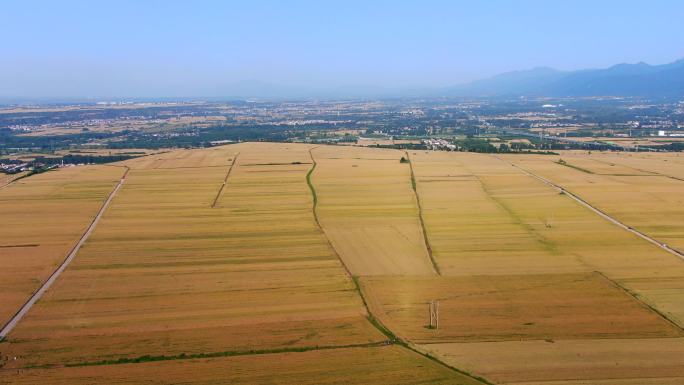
pixel 203 48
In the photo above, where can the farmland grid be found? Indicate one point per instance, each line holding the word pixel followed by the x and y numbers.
pixel 7 328
pixel 512 312
pixel 225 180
pixel 598 211
pixel 393 338
pixel 435 266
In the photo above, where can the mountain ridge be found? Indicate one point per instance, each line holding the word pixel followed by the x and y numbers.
pixel 638 79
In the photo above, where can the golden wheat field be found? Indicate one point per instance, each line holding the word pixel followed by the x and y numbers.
pixel 502 308
pixel 278 263
pixel 42 219
pixel 7 179
pixel 369 210
pixel 373 365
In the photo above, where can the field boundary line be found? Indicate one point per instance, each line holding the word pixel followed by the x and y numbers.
pixel 12 323
pixel 314 209
pixel 652 173
pixel 227 353
pixel 536 235
pixel 30 173
pixel 11 182
pixel 598 211
pixel 225 181
pixel 423 229
pixel 392 338
pixel 641 302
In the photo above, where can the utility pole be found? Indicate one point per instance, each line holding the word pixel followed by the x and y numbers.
pixel 434 315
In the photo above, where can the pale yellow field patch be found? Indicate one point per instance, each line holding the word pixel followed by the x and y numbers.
pixel 164 273
pixel 570 361
pixel 43 217
pixel 369 211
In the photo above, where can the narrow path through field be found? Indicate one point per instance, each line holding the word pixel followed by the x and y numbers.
pixel 392 338
pixel 225 181
pixel 435 266
pixel 598 211
pixel 12 323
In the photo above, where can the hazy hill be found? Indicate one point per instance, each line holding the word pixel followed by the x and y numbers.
pixel 639 79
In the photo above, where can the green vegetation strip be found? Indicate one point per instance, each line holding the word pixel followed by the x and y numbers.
pixel 392 338
pixel 229 353
pixel 641 301
pixel 440 362
pixel 420 217
pixel 225 181
pixel 28 174
pixel 312 188
pixel 566 164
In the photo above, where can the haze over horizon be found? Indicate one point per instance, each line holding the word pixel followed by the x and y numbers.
pixel 177 49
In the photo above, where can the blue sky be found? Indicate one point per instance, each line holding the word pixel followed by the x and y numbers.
pixel 198 48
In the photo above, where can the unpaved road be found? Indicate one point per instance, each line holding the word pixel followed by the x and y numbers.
pixel 53 277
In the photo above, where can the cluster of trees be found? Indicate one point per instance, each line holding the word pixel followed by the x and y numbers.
pixel 403 146
pixel 676 146
pixel 476 145
pixel 76 159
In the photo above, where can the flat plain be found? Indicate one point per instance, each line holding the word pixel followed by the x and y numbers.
pixel 42 219
pixel 209 253
pixel 502 308
pixel 165 273
pixel 369 211
pixel 505 232
pixel 376 365
pixel 295 263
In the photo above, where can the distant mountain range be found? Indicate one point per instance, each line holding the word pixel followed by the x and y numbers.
pixel 639 79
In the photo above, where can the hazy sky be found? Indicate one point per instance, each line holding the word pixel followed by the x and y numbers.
pixel 198 48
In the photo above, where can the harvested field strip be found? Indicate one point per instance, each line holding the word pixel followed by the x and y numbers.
pixel 649 171
pixel 166 274
pixel 420 216
pixel 7 328
pixel 591 165
pixel 369 212
pixel 634 361
pixel 225 180
pixel 371 317
pixel 653 167
pixel 522 307
pixel 472 226
pixel 34 247
pixel 546 244
pixel 651 203
pixel 600 212
pixel 644 304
